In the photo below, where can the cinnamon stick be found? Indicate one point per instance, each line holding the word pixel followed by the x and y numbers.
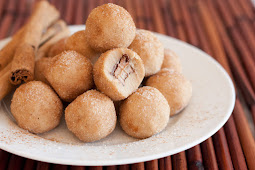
pixel 168 164
pixel 4 157
pixel 77 168
pixel 42 166
pixel 16 162
pixel 60 31
pixel 7 52
pixel 5 86
pixel 23 62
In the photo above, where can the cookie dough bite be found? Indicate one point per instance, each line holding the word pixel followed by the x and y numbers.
pixel 118 73
pixel 40 66
pixel 70 74
pixel 91 116
pixel 171 61
pixel 144 113
pixel 109 26
pixel 57 48
pixel 36 107
pixel 174 86
pixel 77 42
pixel 150 49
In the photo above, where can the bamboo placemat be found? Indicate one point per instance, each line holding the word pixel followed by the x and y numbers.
pixel 223 29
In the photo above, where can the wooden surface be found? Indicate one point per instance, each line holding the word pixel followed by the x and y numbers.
pixel 223 29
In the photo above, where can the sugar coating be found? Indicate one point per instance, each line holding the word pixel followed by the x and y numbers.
pixel 171 61
pixel 78 42
pixel 174 86
pixel 70 74
pixel 36 107
pixel 109 26
pixel 150 49
pixel 144 113
pixel 91 116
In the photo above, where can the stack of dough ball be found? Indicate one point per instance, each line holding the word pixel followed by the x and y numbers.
pixel 144 113
pixel 118 73
pixel 36 107
pixel 109 26
pixel 91 116
pixel 77 42
pixel 70 74
pixel 171 61
pixel 57 48
pixel 174 86
pixel 150 49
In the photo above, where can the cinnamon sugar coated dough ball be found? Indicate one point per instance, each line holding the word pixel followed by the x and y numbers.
pixel 91 116
pixel 40 67
pixel 109 26
pixel 171 61
pixel 77 42
pixel 57 48
pixel 118 73
pixel 70 74
pixel 174 86
pixel 144 113
pixel 150 49
pixel 36 107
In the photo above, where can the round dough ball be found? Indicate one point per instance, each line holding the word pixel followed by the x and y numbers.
pixel 109 26
pixel 174 86
pixel 150 49
pixel 77 42
pixel 171 61
pixel 144 113
pixel 40 66
pixel 118 73
pixel 36 107
pixel 91 116
pixel 57 48
pixel 70 74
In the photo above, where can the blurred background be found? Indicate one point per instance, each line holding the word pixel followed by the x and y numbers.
pixel 223 29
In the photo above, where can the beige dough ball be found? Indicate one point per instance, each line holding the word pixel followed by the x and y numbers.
pixel 77 42
pixel 150 49
pixel 118 73
pixel 36 107
pixel 144 113
pixel 70 74
pixel 57 48
pixel 91 116
pixel 171 61
pixel 109 26
pixel 174 86
pixel 40 67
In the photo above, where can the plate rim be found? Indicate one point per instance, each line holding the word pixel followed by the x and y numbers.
pixel 141 158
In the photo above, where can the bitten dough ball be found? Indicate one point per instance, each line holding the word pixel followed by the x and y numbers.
pixel 171 61
pixel 57 48
pixel 91 116
pixel 144 113
pixel 36 107
pixel 109 26
pixel 174 86
pixel 77 42
pixel 118 73
pixel 150 49
pixel 70 74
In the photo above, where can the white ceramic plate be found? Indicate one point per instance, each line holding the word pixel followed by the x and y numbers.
pixel 210 107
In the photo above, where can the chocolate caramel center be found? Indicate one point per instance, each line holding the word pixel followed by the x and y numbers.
pixel 122 69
